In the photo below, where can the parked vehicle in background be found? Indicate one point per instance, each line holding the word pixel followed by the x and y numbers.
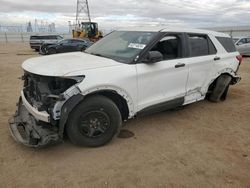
pixel 126 74
pixel 243 45
pixel 66 45
pixel 37 40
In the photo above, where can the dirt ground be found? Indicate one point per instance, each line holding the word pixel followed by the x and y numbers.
pixel 201 145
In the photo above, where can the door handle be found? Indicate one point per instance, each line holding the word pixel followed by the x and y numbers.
pixel 180 65
pixel 216 58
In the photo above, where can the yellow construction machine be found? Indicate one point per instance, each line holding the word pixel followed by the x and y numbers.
pixel 86 29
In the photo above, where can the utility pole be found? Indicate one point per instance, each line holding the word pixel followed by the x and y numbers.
pixel 70 29
pixel 29 27
pixel 82 11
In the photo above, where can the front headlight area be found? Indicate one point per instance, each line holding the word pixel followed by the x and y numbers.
pixel 47 93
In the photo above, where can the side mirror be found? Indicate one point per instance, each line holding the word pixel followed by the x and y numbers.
pixel 239 43
pixel 153 57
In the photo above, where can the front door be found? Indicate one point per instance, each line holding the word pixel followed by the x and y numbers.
pixel 165 80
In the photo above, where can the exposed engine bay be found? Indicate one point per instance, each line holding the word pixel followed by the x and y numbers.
pixel 43 92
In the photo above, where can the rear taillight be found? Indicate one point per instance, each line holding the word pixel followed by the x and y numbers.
pixel 239 58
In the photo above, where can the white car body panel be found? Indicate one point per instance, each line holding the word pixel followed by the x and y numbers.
pixel 159 82
pixel 141 85
pixel 43 116
pixel 121 79
pixel 67 64
pixel 199 75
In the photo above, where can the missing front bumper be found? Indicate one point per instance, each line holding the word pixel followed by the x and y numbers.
pixel 27 130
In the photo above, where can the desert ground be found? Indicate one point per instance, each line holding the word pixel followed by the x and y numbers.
pixel 201 145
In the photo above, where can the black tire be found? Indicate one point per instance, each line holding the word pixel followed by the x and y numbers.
pixel 44 49
pixel 83 49
pixel 94 122
pixel 220 89
pixel 51 51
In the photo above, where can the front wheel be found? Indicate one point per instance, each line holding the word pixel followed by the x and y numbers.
pixel 83 49
pixel 94 122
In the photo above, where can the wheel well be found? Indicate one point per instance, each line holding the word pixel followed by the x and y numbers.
pixel 120 102
pixel 212 85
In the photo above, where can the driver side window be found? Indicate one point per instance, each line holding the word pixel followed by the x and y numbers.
pixel 169 46
pixel 65 42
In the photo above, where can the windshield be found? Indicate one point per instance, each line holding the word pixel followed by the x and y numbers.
pixel 122 46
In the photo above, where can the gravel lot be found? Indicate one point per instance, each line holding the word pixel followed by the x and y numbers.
pixel 201 145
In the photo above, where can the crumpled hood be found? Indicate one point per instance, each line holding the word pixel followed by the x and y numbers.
pixel 66 64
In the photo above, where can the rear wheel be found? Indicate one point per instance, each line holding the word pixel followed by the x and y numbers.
pixel 94 122
pixel 220 89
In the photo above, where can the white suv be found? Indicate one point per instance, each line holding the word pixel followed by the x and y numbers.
pixel 126 74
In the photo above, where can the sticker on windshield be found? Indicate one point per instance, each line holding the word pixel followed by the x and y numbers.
pixel 137 46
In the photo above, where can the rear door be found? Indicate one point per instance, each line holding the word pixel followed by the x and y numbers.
pixel 202 55
pixel 64 46
pixel 76 45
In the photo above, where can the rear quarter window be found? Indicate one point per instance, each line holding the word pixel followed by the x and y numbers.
pixel 227 43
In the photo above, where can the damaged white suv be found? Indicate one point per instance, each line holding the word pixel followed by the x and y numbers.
pixel 126 74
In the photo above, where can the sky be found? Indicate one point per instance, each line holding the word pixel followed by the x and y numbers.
pixel 111 14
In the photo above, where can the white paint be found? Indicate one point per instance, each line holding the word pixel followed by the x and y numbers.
pixel 67 64
pixel 141 85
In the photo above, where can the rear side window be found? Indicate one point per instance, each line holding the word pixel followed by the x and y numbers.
pixel 50 37
pixel 227 43
pixel 201 45
pixel 59 37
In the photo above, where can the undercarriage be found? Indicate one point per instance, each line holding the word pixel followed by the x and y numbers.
pixel 31 132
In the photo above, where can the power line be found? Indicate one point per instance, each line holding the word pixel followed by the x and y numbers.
pixel 82 11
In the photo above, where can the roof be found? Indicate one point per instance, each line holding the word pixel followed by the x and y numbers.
pixel 177 29
pixel 40 35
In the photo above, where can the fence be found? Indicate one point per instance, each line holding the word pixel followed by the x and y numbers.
pixel 234 31
pixel 24 37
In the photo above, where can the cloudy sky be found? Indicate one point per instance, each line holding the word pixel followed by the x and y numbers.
pixel 128 13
